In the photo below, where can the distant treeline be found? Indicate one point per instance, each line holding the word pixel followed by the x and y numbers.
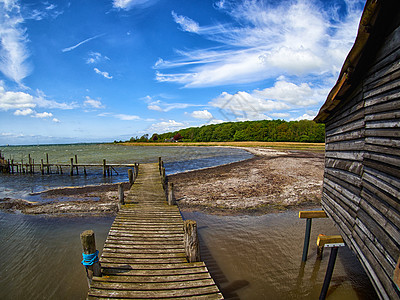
pixel 266 130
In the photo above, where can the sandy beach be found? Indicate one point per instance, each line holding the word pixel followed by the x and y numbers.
pixel 271 181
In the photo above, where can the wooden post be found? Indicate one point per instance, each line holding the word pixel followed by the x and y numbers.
pixel 47 163
pixel 12 166
pixel 121 195
pixel 76 163
pixel 164 178
pixel 104 168
pixel 89 247
pixel 84 170
pixel 306 239
pixel 33 166
pixel 309 215
pixel 191 241
pixel 329 272
pixel 30 163
pixel 334 242
pixel 159 164
pixel 130 176
pixel 171 200
pixel 71 168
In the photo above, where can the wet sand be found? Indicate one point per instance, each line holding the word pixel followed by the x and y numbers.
pixel 271 181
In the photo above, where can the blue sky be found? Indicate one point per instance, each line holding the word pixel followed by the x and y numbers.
pixel 104 70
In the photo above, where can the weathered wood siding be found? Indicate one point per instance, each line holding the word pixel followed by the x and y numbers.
pixel 361 189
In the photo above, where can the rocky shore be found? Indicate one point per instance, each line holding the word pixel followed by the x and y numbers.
pixel 271 181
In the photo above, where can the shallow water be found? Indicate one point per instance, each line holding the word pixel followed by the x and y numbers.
pixel 249 257
pixel 176 159
pixel 259 257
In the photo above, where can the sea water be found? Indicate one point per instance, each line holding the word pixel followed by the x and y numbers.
pixel 249 257
pixel 176 159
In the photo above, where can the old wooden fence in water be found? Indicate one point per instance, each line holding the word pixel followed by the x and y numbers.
pixel 45 167
pixel 150 252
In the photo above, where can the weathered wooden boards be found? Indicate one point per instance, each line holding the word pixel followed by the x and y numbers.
pixel 361 189
pixel 144 255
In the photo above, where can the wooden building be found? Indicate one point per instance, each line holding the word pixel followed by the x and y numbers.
pixel 361 190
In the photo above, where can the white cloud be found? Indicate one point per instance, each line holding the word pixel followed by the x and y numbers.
pixel 43 115
pixel 283 95
pixel 93 103
pixel 15 100
pixel 55 120
pixel 293 38
pixel 162 106
pixel 301 94
pixel 124 117
pixel 129 4
pixel 41 101
pixel 202 114
pixel 81 43
pixel 304 117
pixel 96 57
pixel 186 23
pixel 13 43
pixel 24 112
pixel 163 126
pixel 104 74
pixel 22 102
pixel 280 115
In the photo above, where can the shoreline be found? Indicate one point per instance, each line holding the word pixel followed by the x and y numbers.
pixel 257 185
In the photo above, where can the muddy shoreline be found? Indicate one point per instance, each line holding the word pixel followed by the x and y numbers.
pixel 271 181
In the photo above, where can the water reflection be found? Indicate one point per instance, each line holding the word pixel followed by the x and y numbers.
pixel 259 257
pixel 249 257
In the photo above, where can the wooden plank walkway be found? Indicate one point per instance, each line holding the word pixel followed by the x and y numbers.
pixel 144 255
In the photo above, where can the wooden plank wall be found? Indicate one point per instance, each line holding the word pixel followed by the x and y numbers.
pixel 361 189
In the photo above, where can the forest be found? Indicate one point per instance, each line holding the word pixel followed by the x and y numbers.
pixel 266 130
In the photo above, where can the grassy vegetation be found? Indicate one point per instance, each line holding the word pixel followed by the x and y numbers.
pixel 320 147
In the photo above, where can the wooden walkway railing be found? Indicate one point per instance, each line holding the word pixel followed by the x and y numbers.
pixel 144 255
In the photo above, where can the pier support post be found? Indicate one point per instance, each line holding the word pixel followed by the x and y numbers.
pixel 12 166
pixel 104 168
pixel 76 163
pixel 159 164
pixel 309 215
pixel 71 170
pixel 121 195
pixel 136 171
pixel 171 200
pixel 91 264
pixel 329 272
pixel 47 163
pixel 30 163
pixel 130 176
pixel 306 239
pixel 164 179
pixel 191 241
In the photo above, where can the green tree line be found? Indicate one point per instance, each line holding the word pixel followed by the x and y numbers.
pixel 265 130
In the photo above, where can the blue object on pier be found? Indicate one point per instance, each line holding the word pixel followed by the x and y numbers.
pixel 90 259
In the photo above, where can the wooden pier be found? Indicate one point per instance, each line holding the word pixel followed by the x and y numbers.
pixel 45 167
pixel 144 255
